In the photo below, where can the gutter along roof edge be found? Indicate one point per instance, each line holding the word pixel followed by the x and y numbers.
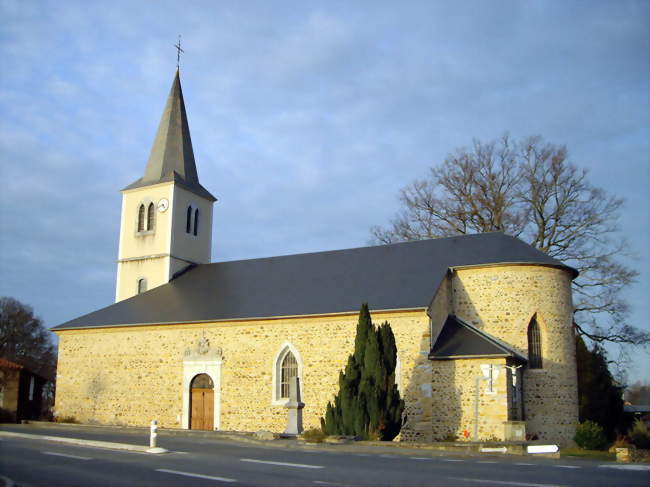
pixel 238 320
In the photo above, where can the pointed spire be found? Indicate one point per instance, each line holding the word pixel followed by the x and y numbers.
pixel 172 157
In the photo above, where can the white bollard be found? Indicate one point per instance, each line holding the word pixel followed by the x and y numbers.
pixel 153 433
pixel 153 437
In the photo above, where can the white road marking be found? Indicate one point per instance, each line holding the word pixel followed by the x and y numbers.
pixel 451 460
pixel 65 455
pixel 503 482
pixel 322 482
pixel 196 475
pixel 526 464
pixel 486 461
pixel 566 466
pixel 387 456
pixel 626 467
pixel 420 458
pixel 282 464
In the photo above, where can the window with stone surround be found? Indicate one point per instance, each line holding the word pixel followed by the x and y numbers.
pixel 534 345
pixel 196 222
pixel 286 367
pixel 289 371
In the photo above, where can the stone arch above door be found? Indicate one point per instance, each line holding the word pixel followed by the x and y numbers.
pixel 202 359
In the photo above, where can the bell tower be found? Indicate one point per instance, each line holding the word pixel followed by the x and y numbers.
pixel 166 222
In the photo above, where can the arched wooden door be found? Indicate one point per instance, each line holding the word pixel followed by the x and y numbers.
pixel 202 403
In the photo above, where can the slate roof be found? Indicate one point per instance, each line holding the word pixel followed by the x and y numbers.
pixel 458 339
pixel 387 277
pixel 172 156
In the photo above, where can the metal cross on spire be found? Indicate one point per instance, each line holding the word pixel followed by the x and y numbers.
pixel 178 52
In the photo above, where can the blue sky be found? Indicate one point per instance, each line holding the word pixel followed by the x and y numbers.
pixel 306 118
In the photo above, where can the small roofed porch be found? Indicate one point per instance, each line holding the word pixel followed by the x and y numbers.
pixel 479 381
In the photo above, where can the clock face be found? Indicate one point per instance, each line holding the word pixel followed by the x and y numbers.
pixel 163 204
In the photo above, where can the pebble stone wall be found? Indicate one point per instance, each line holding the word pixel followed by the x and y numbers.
pixel 130 375
pixel 502 300
pixel 457 417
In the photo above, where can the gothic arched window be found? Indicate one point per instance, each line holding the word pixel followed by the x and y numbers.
pixel 287 366
pixel 288 371
pixel 188 224
pixel 534 345
pixel 196 221
pixel 141 218
pixel 151 214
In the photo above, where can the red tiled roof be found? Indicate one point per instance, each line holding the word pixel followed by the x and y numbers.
pixel 6 364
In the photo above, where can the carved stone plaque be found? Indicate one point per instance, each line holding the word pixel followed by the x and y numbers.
pixel 203 351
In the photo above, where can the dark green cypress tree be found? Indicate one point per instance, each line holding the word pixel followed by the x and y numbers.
pixel 599 397
pixel 368 404
pixel 364 327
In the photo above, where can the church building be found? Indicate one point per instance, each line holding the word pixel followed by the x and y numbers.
pixel 482 323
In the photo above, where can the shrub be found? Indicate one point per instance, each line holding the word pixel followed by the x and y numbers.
pixel 639 435
pixel 590 436
pixel 314 435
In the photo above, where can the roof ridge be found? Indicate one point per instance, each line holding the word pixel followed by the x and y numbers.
pixel 395 244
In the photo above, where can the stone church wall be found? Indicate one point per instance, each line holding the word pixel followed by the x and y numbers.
pixel 502 300
pixel 131 375
pixel 457 416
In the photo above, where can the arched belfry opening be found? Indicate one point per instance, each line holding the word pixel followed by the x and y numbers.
pixel 202 403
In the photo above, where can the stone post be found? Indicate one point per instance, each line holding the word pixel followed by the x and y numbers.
pixel 294 409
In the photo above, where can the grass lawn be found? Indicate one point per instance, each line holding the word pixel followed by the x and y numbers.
pixel 593 454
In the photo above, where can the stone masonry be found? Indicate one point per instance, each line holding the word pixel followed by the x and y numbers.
pixel 131 375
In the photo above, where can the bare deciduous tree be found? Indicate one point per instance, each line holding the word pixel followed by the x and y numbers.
pixel 530 190
pixel 24 339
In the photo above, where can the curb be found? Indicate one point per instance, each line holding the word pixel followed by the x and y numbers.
pixel 515 448
pixel 230 435
pixel 77 441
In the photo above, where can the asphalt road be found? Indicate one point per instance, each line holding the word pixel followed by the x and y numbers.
pixel 197 461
